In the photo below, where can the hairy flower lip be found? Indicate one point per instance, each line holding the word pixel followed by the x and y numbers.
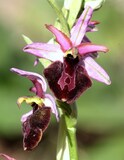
pixel 67 93
pixel 34 127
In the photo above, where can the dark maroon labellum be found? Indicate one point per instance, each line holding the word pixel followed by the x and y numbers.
pixel 34 127
pixel 67 80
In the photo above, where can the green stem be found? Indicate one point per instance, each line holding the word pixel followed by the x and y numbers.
pixel 72 132
pixel 67 144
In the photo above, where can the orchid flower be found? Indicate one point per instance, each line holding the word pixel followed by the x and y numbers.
pixel 73 59
pixel 36 121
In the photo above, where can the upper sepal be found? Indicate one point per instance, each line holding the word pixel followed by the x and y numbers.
pixel 61 38
pixel 80 28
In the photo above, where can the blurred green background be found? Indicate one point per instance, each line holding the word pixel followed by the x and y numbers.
pixel 100 132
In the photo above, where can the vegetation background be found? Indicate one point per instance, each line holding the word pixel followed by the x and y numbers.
pixel 100 130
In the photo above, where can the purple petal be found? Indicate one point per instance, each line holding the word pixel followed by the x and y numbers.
pixel 95 71
pixel 51 52
pixel 50 102
pixel 85 48
pixel 36 79
pixel 6 157
pixel 80 28
pixel 61 38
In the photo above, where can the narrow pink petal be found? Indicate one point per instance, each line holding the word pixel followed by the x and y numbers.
pixel 85 48
pixel 95 71
pixel 61 38
pixel 80 28
pixel 51 52
pixel 6 157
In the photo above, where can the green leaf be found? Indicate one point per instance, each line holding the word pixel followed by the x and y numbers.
pixel 26 39
pixel 64 25
pixel 95 4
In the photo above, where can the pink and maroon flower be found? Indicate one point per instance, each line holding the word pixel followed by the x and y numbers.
pixel 73 59
pixel 35 122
